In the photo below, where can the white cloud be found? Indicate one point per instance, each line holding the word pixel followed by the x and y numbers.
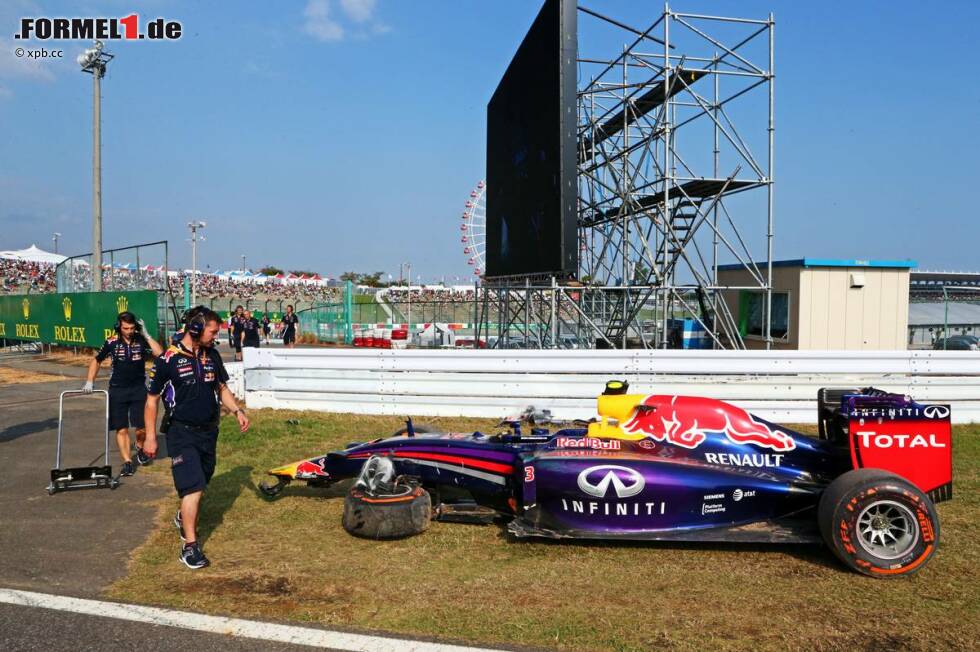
pixel 319 24
pixel 359 21
pixel 359 11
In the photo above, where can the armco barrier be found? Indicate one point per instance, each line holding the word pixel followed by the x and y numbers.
pixel 776 385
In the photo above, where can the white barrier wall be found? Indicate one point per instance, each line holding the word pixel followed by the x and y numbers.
pixel 236 378
pixel 776 385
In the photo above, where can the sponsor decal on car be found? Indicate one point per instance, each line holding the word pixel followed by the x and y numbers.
pixel 739 494
pixel 871 439
pixel 712 508
pixel 596 480
pixel 744 459
pixel 588 442
pixel 910 412
pixel 686 421
pixel 311 469
pixel 614 482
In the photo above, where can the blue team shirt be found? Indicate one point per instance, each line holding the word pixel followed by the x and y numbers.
pixel 190 383
pixel 128 360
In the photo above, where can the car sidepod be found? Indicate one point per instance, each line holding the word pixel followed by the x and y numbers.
pixel 591 488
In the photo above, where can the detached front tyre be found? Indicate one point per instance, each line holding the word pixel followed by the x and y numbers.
pixel 401 512
pixel 878 523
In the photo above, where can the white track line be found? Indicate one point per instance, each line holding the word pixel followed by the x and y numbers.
pixel 228 626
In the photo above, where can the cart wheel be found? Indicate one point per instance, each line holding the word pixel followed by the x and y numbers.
pixel 113 483
pixel 51 489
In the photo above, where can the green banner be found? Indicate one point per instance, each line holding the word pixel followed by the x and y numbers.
pixel 74 319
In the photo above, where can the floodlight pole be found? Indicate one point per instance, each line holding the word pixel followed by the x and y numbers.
pixel 94 62
pixel 194 226
pixel 55 237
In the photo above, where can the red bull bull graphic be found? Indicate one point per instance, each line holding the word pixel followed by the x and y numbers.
pixel 686 420
pixel 311 469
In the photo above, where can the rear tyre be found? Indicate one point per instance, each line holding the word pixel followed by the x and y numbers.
pixel 402 512
pixel 878 523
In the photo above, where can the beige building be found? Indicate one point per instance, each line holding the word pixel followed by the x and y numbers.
pixel 824 304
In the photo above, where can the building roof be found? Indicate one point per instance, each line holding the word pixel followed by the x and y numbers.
pixel 934 313
pixel 828 262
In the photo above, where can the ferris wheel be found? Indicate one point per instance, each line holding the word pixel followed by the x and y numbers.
pixel 474 228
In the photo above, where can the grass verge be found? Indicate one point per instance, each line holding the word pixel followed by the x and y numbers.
pixel 291 560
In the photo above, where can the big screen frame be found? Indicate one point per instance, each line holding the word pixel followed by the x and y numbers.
pixel 532 190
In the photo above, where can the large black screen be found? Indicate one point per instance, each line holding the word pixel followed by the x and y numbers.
pixel 531 152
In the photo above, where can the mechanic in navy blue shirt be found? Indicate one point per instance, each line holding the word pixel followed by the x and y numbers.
pixel 250 330
pixel 194 371
pixel 266 327
pixel 129 350
pixel 290 327
pixel 237 328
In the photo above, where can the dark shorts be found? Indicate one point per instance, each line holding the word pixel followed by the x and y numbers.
pixel 192 457
pixel 288 337
pixel 126 407
pixel 251 345
pixel 238 345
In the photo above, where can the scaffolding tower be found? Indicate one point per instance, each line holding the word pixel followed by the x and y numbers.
pixel 668 188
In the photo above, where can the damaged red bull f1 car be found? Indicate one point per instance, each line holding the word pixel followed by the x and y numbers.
pixel 661 467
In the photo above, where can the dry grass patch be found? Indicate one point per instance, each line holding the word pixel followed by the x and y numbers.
pixel 290 559
pixel 12 376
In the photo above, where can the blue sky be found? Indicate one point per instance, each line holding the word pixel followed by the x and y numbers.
pixel 345 134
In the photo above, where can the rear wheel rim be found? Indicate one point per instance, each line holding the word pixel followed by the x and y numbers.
pixel 887 529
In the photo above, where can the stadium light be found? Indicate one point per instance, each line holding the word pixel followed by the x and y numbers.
pixel 194 227
pixel 243 263
pixel 54 238
pixel 94 61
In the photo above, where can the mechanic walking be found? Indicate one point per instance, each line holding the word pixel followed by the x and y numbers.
pixel 250 331
pixel 237 328
pixel 194 371
pixel 129 349
pixel 266 327
pixel 290 328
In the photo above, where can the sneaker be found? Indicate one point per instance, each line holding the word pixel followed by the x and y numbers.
pixel 127 469
pixel 142 458
pixel 192 556
pixel 179 523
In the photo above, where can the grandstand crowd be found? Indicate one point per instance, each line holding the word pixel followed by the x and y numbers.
pixel 20 276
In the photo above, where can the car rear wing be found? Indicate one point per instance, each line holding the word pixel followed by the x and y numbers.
pixel 891 432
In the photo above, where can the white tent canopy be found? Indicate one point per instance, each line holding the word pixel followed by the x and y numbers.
pixel 34 255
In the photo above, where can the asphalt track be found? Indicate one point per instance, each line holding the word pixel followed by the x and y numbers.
pixel 76 543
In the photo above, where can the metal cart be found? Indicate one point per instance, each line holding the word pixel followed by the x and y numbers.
pixel 81 477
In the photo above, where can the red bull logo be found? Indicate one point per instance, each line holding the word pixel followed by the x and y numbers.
pixel 686 420
pixel 309 469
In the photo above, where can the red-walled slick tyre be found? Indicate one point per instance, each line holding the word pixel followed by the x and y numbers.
pixel 878 524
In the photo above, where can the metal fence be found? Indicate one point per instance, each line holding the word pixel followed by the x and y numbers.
pixel 138 267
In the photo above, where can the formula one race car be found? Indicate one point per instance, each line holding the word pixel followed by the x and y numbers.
pixel 662 467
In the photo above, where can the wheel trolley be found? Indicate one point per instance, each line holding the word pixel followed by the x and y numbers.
pixel 80 477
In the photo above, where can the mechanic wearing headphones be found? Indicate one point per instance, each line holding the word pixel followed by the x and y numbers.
pixel 197 376
pixel 129 349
